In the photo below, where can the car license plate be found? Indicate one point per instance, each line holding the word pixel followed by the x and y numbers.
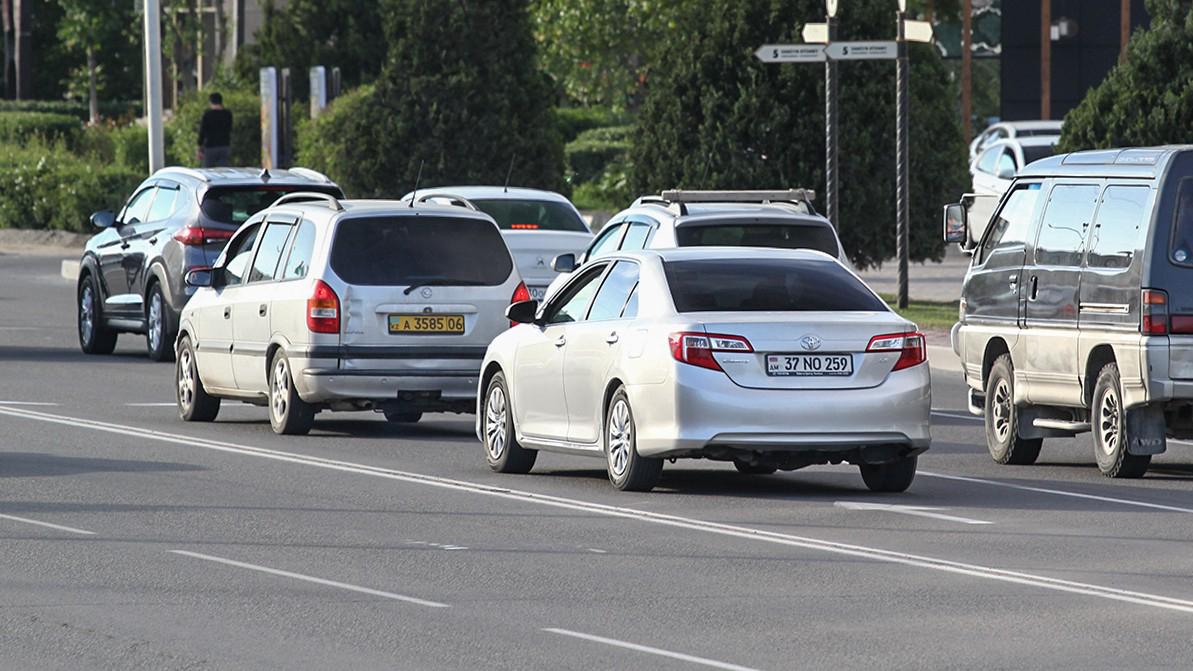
pixel 427 324
pixel 809 365
pixel 537 293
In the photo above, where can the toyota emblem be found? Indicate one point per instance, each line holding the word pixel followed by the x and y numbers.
pixel 810 342
pixel 541 262
pixel 426 293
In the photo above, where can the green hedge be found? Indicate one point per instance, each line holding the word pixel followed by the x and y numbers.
pixel 245 103
pixel 572 121
pixel 76 109
pixel 590 153
pixel 47 187
pixel 21 127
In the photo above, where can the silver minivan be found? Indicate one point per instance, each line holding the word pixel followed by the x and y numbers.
pixel 1077 310
pixel 325 304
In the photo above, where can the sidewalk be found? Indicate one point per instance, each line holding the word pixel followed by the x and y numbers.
pixel 938 282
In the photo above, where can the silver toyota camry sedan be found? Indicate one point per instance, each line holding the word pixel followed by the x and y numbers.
pixel 772 359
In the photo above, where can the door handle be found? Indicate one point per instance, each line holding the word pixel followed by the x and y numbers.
pixel 1033 287
pixel 261 310
pixel 227 313
pixel 153 241
pixel 561 341
pixel 611 338
pixel 125 244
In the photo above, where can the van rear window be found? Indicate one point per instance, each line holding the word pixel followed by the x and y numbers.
pixel 406 250
pixel 783 236
pixel 750 285
pixel 1182 228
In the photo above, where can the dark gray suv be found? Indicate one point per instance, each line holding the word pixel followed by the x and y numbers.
pixel 131 276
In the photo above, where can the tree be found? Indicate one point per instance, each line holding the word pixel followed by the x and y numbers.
pixel 92 26
pixel 1147 99
pixel 715 117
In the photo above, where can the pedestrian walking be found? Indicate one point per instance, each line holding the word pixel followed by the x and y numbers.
pixel 215 134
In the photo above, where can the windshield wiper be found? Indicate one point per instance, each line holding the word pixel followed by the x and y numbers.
pixel 442 283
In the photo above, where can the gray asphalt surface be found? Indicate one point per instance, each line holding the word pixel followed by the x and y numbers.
pixel 369 546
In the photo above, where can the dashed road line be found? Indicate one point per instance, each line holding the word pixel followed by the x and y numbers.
pixel 918 511
pixel 59 527
pixel 626 645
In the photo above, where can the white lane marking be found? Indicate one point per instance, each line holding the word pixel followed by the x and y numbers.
pixel 957 415
pixel 805 542
pixel 1057 492
pixel 59 527
pixel 313 579
pixel 703 661
pixel 918 511
pixel 30 403
pixel 152 405
pixel 26 328
pixel 598 551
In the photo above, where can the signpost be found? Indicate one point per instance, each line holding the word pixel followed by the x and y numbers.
pixel 790 53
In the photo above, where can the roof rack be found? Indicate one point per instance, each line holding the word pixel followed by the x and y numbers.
pixel 307 196
pixel 679 198
pixel 452 199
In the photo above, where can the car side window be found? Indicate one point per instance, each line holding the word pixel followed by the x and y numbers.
pixel 1067 216
pixel 988 161
pixel 572 305
pixel 1182 225
pixel 614 291
pixel 1010 226
pixel 138 207
pixel 1122 216
pixel 607 242
pixel 635 237
pixel 269 252
pixel 631 306
pixel 301 249
pixel 238 252
pixel 163 204
pixel 1006 164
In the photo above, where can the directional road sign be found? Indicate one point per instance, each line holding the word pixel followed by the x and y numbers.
pixel 790 53
pixel 860 51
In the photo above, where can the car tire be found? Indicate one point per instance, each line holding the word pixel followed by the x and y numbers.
pixel 94 336
pixel 628 470
pixel 1109 426
pixel 891 477
pixel 288 413
pixel 161 325
pixel 753 469
pixel 1002 418
pixel 502 451
pixel 403 416
pixel 194 403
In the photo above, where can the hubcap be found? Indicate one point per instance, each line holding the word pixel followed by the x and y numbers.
pixel 495 418
pixel 155 321
pixel 86 313
pixel 621 438
pixel 186 379
pixel 1109 422
pixel 1002 410
pixel 280 389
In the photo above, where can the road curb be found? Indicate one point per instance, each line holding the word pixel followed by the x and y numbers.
pixel 70 270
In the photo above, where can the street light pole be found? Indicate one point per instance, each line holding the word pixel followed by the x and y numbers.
pixel 901 165
pixel 153 84
pixel 830 119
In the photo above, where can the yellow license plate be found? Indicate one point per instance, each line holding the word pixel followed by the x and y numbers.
pixel 427 323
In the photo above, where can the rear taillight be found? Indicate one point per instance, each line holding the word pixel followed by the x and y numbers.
pixel 520 294
pixel 910 346
pixel 196 235
pixel 323 310
pixel 697 349
pixel 1154 320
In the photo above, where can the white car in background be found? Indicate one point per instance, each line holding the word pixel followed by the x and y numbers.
pixel 537 225
pixel 995 168
pixel 766 358
pixel 1008 130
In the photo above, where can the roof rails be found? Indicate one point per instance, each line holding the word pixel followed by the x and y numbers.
pixel 189 172
pixel 452 199
pixel 313 175
pixel 308 196
pixel 681 197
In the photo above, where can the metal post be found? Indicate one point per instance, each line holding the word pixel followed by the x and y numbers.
pixel 1046 59
pixel 23 48
pixel 830 128
pixel 285 150
pixel 967 69
pixel 901 121
pixel 153 84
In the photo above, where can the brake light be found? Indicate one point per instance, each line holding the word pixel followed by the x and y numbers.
pixel 323 310
pixel 697 349
pixel 520 294
pixel 197 235
pixel 524 227
pixel 1154 320
pixel 910 345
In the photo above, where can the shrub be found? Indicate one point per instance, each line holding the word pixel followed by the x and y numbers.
pixel 571 121
pixel 20 127
pixel 78 109
pixel 611 191
pixel 245 103
pixel 48 187
pixel 592 151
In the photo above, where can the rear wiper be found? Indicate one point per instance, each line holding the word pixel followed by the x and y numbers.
pixel 441 283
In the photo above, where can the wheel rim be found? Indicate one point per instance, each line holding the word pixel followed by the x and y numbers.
pixel 155 321
pixel 495 420
pixel 86 313
pixel 621 438
pixel 1002 410
pixel 281 389
pixel 1109 422
pixel 186 379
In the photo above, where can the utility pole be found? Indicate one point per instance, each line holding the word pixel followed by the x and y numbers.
pixel 830 120
pixel 901 165
pixel 153 84
pixel 23 46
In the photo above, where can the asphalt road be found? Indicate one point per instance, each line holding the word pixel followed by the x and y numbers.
pixel 131 540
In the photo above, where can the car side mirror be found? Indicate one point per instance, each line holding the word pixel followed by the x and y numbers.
pixel 522 312
pixel 956 224
pixel 103 219
pixel 564 263
pixel 200 277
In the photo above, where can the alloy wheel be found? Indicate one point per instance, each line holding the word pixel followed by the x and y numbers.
pixel 87 313
pixel 495 422
pixel 281 389
pixel 155 321
pixel 186 379
pixel 1109 421
pixel 621 438
pixel 1002 410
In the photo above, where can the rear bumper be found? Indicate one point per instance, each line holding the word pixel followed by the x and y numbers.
pixel 322 381
pixel 701 413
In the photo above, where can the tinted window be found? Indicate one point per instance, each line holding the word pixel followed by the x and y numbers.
pixel 607 242
pixel 532 215
pixel 989 160
pixel 163 205
pixel 138 207
pixel 745 285
pixel 631 306
pixel 614 292
pixel 1006 165
pixel 784 236
pixel 573 303
pixel 234 205
pixel 1031 154
pixel 1009 227
pixel 238 253
pixel 408 250
pixel 1062 231
pixel 299 261
pixel 1121 217
pixel 1182 230
pixel 635 237
pixel 269 252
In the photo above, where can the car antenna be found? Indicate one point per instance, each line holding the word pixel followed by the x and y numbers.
pixel 509 173
pixel 414 193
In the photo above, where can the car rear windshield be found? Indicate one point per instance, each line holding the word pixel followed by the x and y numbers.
pixel 783 236
pixel 532 215
pixel 749 285
pixel 404 251
pixel 235 204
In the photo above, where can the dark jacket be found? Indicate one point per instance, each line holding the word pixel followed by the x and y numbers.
pixel 215 129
